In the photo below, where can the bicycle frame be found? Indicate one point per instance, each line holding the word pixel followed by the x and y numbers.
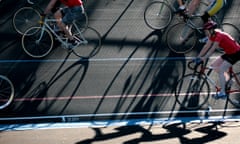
pixel 213 83
pixel 63 40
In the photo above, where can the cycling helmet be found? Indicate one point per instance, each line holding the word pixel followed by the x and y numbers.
pixel 210 25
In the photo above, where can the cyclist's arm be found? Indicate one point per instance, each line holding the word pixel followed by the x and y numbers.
pixel 208 49
pixel 49 7
pixel 205 49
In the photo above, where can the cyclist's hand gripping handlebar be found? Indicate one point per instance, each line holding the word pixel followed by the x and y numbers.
pixel 193 65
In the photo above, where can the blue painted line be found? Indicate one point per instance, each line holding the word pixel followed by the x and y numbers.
pixel 97 60
pixel 109 123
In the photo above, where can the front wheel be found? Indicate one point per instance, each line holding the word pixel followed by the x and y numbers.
pixel 37 42
pixel 192 91
pixel 158 15
pixel 90 43
pixel 181 38
pixel 6 92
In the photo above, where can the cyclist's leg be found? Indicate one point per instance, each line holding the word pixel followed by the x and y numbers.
pixel 68 16
pixel 221 65
pixel 193 6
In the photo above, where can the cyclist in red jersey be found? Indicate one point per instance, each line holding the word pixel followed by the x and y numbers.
pixel 219 39
pixel 74 10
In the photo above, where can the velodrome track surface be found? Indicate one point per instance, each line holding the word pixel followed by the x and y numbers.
pixel 131 77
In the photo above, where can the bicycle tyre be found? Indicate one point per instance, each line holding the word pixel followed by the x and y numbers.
pixel 181 38
pixel 35 47
pixel 90 43
pixel 6 92
pixel 232 30
pixel 158 15
pixel 25 18
pixel 195 85
pixel 233 97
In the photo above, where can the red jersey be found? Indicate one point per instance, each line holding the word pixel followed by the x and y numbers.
pixel 72 3
pixel 226 42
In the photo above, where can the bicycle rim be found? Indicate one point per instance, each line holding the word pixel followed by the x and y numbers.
pixel 232 30
pixel 90 43
pixel 181 38
pixel 6 92
pixel 192 91
pixel 157 15
pixel 233 96
pixel 25 18
pixel 35 45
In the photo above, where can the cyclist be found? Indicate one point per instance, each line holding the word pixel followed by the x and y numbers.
pixel 65 16
pixel 219 39
pixel 213 8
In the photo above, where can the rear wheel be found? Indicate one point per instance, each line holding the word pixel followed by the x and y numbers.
pixel 90 43
pixel 233 96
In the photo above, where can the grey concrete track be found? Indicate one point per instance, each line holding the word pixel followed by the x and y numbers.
pixel 134 72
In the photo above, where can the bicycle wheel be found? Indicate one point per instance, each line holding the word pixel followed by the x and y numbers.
pixel 24 18
pixel 158 15
pixel 233 96
pixel 232 30
pixel 90 43
pixel 6 92
pixel 39 43
pixel 181 38
pixel 192 91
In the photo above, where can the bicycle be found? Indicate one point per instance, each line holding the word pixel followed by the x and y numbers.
pixel 159 14
pixel 38 42
pixel 28 16
pixel 183 37
pixel 192 91
pixel 6 92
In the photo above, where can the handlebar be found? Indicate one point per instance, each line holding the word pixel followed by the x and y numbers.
pixel 193 66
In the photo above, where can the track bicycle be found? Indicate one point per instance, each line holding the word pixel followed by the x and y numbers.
pixel 159 14
pixel 29 15
pixel 6 92
pixel 184 36
pixel 192 91
pixel 38 42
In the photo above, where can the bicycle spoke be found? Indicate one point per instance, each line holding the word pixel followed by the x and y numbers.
pixel 6 92
pixel 25 18
pixel 36 44
pixel 181 38
pixel 157 15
